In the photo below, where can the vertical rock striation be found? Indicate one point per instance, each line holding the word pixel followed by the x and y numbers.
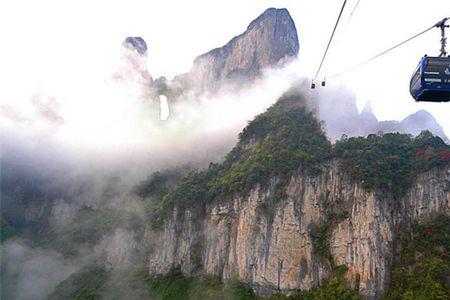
pixel 269 41
pixel 269 245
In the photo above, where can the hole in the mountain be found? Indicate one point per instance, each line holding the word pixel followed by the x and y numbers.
pixel 164 111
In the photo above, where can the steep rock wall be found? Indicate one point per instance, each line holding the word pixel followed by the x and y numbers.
pixel 267 243
pixel 269 41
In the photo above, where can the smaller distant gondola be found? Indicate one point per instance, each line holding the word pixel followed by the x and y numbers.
pixel 431 80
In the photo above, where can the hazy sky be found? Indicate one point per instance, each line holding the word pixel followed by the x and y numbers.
pixel 43 42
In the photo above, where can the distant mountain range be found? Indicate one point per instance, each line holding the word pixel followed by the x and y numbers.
pixel 342 117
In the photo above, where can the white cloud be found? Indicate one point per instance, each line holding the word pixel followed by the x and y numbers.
pixel 49 45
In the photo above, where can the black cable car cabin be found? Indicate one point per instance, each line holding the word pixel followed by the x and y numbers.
pixel 431 80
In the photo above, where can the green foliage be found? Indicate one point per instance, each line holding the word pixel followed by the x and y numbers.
pixel 191 191
pixel 6 231
pixel 87 284
pixel 423 281
pixel 94 282
pixel 159 183
pixel 285 138
pixel 423 265
pixel 319 238
pixel 175 286
pixel 334 289
pixel 320 232
pixel 340 270
pixel 136 283
pixel 390 162
pixel 206 287
pixel 429 239
pixel 236 290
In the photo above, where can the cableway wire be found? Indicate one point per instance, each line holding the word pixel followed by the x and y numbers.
pixel 331 38
pixel 351 16
pixel 385 51
pixel 353 11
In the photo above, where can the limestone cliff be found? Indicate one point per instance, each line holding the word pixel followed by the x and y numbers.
pixel 275 252
pixel 269 41
pixel 263 237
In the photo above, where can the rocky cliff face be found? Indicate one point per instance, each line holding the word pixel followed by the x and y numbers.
pixel 137 43
pixel 269 41
pixel 271 248
pixel 285 209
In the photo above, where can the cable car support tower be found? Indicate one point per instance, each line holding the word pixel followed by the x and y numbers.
pixel 442 26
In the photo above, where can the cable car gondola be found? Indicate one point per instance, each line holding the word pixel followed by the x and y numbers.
pixel 431 80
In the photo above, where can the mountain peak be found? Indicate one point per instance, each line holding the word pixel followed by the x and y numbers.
pixel 421 120
pixel 367 108
pixel 269 41
pixel 420 115
pixel 137 43
pixel 280 14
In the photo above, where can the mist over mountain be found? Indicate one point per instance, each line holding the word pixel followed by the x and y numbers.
pixel 255 186
pixel 271 41
pixel 415 123
pixel 337 107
